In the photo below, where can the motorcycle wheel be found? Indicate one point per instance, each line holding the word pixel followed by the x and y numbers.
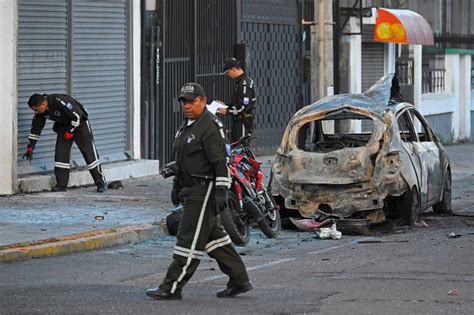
pixel 271 222
pixel 237 228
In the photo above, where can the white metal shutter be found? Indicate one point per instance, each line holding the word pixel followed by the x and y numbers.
pixel 372 63
pixel 372 58
pixel 42 68
pixel 99 72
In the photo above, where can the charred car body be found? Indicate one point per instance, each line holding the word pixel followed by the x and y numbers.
pixel 361 158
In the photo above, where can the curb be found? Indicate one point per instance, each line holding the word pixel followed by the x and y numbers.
pixel 81 242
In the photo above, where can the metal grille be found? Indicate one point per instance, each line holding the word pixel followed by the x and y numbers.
pixel 197 38
pixel 42 68
pixel 273 64
pixel 433 72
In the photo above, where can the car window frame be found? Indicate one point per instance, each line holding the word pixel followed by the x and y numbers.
pixel 424 124
pixel 413 134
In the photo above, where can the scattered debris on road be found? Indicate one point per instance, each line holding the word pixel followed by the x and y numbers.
pixel 454 235
pixel 329 233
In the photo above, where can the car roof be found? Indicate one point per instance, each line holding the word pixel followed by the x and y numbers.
pixel 382 96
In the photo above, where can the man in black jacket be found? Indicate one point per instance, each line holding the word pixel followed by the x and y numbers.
pixel 71 125
pixel 202 179
pixel 243 100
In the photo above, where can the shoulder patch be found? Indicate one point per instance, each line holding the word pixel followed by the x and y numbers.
pixel 218 122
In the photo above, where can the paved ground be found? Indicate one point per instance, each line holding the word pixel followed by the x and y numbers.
pixel 40 216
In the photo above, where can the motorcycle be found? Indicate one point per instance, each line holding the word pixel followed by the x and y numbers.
pixel 248 200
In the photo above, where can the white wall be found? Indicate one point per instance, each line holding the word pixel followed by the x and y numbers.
pixel 457 100
pixel 437 103
pixel 136 24
pixel 8 90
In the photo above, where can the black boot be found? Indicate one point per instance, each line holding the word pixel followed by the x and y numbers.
pixel 157 294
pixel 59 188
pixel 101 187
pixel 233 291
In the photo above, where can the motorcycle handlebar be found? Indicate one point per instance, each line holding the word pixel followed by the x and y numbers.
pixel 244 139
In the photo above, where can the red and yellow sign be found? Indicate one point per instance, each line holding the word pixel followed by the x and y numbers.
pixel 388 28
pixel 403 27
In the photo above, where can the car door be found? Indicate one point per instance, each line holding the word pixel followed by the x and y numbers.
pixel 412 148
pixel 429 156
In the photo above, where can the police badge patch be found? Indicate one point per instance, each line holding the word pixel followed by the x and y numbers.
pixel 191 137
pixel 246 100
pixel 69 106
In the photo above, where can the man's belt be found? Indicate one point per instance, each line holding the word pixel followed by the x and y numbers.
pixel 246 116
pixel 194 179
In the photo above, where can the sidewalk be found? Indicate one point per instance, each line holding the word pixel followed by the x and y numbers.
pixel 49 223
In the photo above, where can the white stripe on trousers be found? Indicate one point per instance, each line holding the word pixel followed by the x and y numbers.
pixel 218 243
pixel 99 170
pixel 196 236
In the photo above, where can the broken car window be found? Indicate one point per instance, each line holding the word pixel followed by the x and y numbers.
pixel 334 134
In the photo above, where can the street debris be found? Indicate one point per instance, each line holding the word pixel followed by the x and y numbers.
pixel 309 225
pixel 116 184
pixel 373 241
pixel 454 292
pixel 99 217
pixel 454 235
pixel 329 233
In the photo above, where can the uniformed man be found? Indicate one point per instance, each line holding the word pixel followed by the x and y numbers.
pixel 243 100
pixel 71 125
pixel 203 179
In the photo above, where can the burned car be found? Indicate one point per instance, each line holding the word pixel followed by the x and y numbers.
pixel 361 158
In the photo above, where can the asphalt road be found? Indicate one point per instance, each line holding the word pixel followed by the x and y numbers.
pixel 408 271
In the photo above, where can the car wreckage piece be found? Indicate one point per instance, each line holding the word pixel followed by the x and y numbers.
pixel 323 166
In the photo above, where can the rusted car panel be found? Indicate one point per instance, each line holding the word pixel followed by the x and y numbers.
pixel 353 175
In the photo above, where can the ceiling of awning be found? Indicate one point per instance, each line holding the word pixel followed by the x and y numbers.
pixel 403 27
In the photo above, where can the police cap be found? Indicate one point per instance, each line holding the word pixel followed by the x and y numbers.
pixel 190 91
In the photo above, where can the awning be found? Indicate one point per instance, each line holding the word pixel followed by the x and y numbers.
pixel 403 27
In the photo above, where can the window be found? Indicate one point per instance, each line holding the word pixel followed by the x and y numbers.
pixel 335 132
pixel 404 125
pixel 420 126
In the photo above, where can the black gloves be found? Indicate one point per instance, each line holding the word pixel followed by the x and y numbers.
pixel 221 198
pixel 29 153
pixel 175 193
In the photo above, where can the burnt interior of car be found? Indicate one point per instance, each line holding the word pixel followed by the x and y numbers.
pixel 333 132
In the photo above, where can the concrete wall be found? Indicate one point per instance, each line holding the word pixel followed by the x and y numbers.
pixel 8 90
pixel 472 115
pixel 136 34
pixel 450 114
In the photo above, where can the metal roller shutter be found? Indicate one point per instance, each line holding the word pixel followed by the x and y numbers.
pixel 372 58
pixel 78 48
pixel 372 63
pixel 99 72
pixel 42 68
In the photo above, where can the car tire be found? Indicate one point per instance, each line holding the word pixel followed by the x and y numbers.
pixel 444 206
pixel 410 206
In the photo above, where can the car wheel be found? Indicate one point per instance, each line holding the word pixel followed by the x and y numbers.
pixel 444 206
pixel 410 206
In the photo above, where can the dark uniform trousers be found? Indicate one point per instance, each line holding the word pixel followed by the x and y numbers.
pixel 241 126
pixel 200 233
pixel 85 142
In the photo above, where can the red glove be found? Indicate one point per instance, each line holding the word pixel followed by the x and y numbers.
pixel 68 135
pixel 29 153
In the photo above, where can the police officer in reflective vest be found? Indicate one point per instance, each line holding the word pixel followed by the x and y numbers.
pixel 71 125
pixel 243 100
pixel 202 179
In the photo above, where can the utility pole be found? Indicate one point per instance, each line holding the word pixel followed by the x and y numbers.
pixel 322 74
